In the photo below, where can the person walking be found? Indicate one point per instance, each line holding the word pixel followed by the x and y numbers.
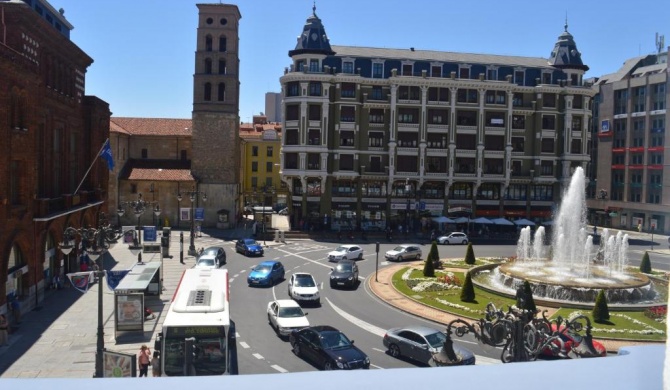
pixel 4 326
pixel 16 309
pixel 155 365
pixel 143 360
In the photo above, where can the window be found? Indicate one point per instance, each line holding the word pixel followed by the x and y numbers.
pixel 576 146
pixel 409 93
pixel 348 114
pixel 494 142
pixel 222 66
pixel 466 118
pixel 313 65
pixel 517 100
pixel 518 121
pixel 548 122
pixel 492 74
pixel 314 112
pixel 348 90
pixel 348 67
pixel 376 115
pixel 346 162
pixel 347 138
pixel 657 124
pixel 435 71
pixel 638 124
pixel 373 189
pixel 254 182
pixel 268 184
pixel 576 123
pixel 268 166
pixel 519 77
pixel 254 166
pixel 461 191
pixel 437 117
pixel 254 151
pixel 208 43
pixel 208 92
pixel 376 139
pixel 291 161
pixel 407 69
pixel 547 145
pixel 436 164
pixel 314 137
pixel 438 94
pixel 292 112
pixel 495 119
pixel 222 44
pixel 15 182
pixel 314 187
pixel 658 97
pixel 269 151
pixel 293 89
pixel 518 144
pixel 639 98
pixel 620 101
pixel 542 192
pixel 636 159
pixel 208 66
pixel 467 95
pixel 549 100
pixel 145 153
pixel 183 155
pixel 547 168
pixel 377 70
pixel 375 164
pixel 546 78
pixel 463 73
pixel 376 93
pixel 656 159
pixel 408 115
pixel 466 141
pixel 300 65
pixel 314 88
pixel 221 92
pixel 578 101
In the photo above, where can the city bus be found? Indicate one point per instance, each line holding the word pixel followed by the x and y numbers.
pixel 198 336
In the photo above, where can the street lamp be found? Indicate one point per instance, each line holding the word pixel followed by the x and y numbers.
pixel 96 242
pixel 193 195
pixel 408 189
pixel 138 207
pixel 265 190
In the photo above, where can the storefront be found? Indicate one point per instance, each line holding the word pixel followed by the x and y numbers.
pixel 343 216
pixel 373 216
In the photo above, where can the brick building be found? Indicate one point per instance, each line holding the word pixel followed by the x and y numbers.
pixel 51 134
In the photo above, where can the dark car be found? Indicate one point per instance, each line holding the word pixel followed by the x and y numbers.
pixel 249 247
pixel 420 343
pixel 267 273
pixel 218 253
pixel 327 348
pixel 345 274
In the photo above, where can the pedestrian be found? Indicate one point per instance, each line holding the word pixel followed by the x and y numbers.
pixel 155 365
pixel 16 309
pixel 143 360
pixel 4 326
pixel 595 230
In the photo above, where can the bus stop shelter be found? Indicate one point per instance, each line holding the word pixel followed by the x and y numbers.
pixel 143 279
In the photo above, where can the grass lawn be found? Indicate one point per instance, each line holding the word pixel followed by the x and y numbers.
pixel 622 325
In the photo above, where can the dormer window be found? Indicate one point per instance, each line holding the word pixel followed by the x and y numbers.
pixel 378 70
pixel 546 78
pixel 519 77
pixel 313 65
pixel 492 74
pixel 407 69
pixel 464 72
pixel 348 67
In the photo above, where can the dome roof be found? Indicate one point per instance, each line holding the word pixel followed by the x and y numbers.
pixel 565 54
pixel 313 39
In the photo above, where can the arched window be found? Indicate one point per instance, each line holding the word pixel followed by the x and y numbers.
pixel 222 44
pixel 208 92
pixel 16 259
pixel 208 66
pixel 208 43
pixel 222 92
pixel 222 66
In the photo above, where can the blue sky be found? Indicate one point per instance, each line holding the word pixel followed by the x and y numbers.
pixel 144 49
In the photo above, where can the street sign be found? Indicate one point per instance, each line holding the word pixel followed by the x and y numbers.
pixel 199 214
pixel 149 233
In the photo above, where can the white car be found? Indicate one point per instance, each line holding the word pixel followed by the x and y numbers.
pixel 404 252
pixel 346 252
pixel 206 262
pixel 303 288
pixel 285 315
pixel 453 238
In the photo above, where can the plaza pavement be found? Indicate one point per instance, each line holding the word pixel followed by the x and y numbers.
pixel 59 339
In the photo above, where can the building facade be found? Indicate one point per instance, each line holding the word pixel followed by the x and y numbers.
pixel 216 142
pixel 377 138
pixel 273 106
pixel 630 185
pixel 52 133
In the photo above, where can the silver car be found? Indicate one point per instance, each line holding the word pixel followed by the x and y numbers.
pixel 420 343
pixel 404 252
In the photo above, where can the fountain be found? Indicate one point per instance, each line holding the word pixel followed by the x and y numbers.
pixel 575 269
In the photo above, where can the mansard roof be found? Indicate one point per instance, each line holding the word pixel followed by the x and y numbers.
pixel 313 39
pixel 565 54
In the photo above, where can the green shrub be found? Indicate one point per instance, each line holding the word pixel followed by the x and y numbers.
pixel 645 264
pixel 601 313
pixel 468 290
pixel 434 259
pixel 470 255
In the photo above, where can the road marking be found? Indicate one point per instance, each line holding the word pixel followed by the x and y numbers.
pixel 280 369
pixel 258 356
pixel 244 345
pixel 377 367
pixel 378 350
pixel 357 321
pixel 237 335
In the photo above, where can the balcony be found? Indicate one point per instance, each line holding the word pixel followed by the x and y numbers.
pixel 437 128
pixel 45 207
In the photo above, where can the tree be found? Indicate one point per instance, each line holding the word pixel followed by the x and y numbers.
pixel 470 255
pixel 645 265
pixel 601 313
pixel 432 261
pixel 468 290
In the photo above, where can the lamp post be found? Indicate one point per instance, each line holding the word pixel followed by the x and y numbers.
pixel 97 241
pixel 408 189
pixel 266 190
pixel 138 207
pixel 193 195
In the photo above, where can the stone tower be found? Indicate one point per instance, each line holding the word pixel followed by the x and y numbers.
pixel 215 158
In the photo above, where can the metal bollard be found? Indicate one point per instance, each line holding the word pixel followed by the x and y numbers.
pixel 282 236
pixel 276 235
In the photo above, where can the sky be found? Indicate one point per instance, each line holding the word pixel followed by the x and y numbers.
pixel 144 50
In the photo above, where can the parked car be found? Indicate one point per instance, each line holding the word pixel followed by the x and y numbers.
pixel 344 274
pixel 327 348
pixel 342 252
pixel 569 339
pixel 248 246
pixel 286 315
pixel 419 343
pixel 206 262
pixel 453 238
pixel 218 253
pixel 303 288
pixel 267 273
pixel 404 252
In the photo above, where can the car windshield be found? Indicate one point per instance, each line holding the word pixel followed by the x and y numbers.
pixel 343 267
pixel 340 249
pixel 399 248
pixel 304 281
pixel 263 268
pixel 206 262
pixel 250 241
pixel 210 251
pixel 288 312
pixel 334 340
pixel 436 340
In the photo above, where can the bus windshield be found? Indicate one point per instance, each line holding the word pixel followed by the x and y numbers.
pixel 209 356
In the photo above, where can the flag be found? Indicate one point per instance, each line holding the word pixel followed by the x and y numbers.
pixel 80 280
pixel 114 277
pixel 106 153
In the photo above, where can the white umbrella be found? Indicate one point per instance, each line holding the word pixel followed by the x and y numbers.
pixel 524 222
pixel 462 220
pixel 483 220
pixel 502 221
pixel 443 219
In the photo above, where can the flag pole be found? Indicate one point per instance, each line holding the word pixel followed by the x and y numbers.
pixel 89 168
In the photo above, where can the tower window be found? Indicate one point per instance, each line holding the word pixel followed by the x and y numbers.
pixel 208 66
pixel 208 92
pixel 222 66
pixel 208 43
pixel 221 93
pixel 222 43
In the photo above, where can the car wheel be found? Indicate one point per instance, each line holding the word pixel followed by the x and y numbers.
pixel 332 285
pixel 446 242
pixel 465 242
pixel 394 351
pixel 246 253
pixel 328 366
pixel 418 256
pixel 296 349
pixel 360 256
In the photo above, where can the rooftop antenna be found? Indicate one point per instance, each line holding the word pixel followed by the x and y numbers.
pixel 660 44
